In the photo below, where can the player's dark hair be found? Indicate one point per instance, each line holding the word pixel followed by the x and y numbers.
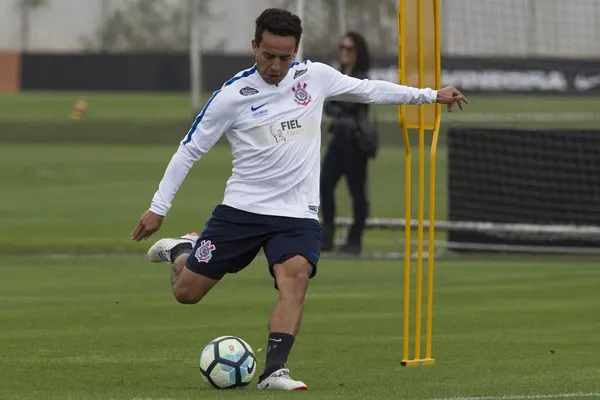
pixel 363 56
pixel 279 22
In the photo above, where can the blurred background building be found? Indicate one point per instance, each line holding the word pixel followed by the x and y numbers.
pixel 564 28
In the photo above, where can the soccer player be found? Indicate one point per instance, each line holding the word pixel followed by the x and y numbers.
pixel 271 115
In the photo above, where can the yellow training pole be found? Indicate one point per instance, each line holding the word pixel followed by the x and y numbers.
pixel 407 197
pixel 421 206
pixel 420 65
pixel 432 180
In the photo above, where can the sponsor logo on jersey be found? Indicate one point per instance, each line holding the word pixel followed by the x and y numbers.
pixel 290 125
pixel 278 135
pixel 300 72
pixel 282 132
pixel 248 91
pixel 259 111
pixel 257 107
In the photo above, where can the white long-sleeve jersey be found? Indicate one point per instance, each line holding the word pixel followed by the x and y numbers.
pixel 275 136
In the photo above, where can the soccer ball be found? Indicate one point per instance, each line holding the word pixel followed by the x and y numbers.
pixel 227 362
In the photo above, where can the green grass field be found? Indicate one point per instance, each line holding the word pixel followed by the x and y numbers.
pixel 83 316
pixel 82 328
pixel 94 195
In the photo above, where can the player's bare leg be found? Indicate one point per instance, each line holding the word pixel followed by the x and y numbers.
pixel 188 287
pixel 292 281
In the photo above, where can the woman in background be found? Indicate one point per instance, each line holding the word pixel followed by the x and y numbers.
pixel 344 157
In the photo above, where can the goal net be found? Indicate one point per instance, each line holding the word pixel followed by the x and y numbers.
pixel 524 164
pixel 523 189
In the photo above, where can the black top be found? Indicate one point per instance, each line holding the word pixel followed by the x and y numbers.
pixel 345 114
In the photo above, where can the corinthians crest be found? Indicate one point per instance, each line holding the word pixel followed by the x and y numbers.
pixel 301 96
pixel 204 251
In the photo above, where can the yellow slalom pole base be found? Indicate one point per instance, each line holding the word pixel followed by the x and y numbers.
pixel 416 363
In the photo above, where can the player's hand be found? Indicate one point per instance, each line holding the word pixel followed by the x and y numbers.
pixel 149 223
pixel 450 95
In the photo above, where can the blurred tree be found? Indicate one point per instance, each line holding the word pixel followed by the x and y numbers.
pixel 25 8
pixel 375 19
pixel 147 26
pixel 32 4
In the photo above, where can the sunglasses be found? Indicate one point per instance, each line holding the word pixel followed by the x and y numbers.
pixel 346 48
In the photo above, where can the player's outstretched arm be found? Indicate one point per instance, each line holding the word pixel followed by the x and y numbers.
pixel 216 118
pixel 347 88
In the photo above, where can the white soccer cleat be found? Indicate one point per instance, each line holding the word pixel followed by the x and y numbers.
pixel 161 250
pixel 281 380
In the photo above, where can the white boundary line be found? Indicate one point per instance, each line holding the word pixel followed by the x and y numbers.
pixel 526 397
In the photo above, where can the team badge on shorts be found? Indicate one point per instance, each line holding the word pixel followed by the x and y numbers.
pixel 301 96
pixel 204 251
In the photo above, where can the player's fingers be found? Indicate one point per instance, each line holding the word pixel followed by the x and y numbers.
pixel 136 231
pixel 460 100
pixel 462 97
pixel 138 234
pixel 449 107
pixel 145 235
pixel 150 230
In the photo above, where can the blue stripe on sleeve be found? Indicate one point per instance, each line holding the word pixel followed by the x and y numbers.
pixel 245 74
pixel 294 63
pixel 188 138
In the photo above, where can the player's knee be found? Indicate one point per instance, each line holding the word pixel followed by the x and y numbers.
pixel 296 269
pixel 185 295
pixel 190 287
pixel 299 279
pixel 292 278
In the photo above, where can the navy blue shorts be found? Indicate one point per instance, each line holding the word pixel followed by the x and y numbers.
pixel 232 239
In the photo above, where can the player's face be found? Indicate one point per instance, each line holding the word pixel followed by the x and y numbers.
pixel 347 52
pixel 274 56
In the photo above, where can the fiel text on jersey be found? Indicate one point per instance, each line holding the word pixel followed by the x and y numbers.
pixel 290 125
pixel 285 130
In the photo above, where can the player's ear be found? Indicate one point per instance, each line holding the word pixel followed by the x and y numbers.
pixel 254 46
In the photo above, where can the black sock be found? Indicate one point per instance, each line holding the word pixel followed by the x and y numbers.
pixel 181 248
pixel 279 346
